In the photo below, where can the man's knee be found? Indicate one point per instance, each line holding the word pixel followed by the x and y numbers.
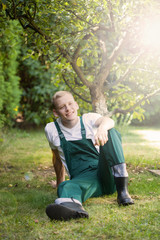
pixel 113 133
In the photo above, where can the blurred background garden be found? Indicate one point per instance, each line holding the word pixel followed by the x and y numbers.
pixel 107 53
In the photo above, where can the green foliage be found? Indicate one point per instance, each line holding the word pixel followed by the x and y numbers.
pixel 151 114
pixel 84 35
pixel 38 84
pixel 2 90
pixel 10 45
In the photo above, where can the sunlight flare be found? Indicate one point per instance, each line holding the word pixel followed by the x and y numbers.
pixel 152 136
pixel 151 32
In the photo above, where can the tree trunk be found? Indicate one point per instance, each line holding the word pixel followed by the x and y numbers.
pixel 98 100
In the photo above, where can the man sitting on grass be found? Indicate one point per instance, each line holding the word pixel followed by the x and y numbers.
pixel 90 149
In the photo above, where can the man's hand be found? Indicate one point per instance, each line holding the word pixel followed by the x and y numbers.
pixel 101 137
pixel 53 184
pixel 103 124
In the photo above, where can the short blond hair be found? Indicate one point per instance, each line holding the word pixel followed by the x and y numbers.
pixel 58 95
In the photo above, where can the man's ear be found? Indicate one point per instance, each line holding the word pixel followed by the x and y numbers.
pixel 77 105
pixel 55 113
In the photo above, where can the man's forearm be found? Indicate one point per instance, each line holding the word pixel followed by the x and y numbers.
pixel 60 174
pixel 58 167
pixel 103 124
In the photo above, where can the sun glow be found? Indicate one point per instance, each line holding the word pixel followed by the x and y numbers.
pixel 152 136
pixel 151 32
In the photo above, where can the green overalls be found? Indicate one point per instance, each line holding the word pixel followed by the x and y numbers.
pixel 90 171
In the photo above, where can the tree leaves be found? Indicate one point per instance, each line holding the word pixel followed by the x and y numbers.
pixel 9 81
pixel 96 44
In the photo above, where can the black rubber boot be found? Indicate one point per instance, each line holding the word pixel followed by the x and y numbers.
pixel 66 211
pixel 123 197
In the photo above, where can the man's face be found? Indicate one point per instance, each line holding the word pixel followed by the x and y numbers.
pixel 66 108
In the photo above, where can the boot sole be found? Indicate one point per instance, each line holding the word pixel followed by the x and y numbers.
pixel 126 202
pixel 60 212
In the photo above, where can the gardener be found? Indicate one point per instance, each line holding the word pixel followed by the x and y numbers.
pixel 93 160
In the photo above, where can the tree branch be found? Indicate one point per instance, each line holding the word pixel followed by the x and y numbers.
pixel 74 66
pixel 126 74
pixel 64 53
pixel 79 47
pixel 34 13
pixel 117 50
pixel 106 67
pixel 8 14
pixel 14 9
pixel 55 59
pixel 76 55
pixel 80 74
pixel 118 110
pixel 80 18
pixel 34 27
pixel 29 19
pixel 111 14
pixel 72 89
pixel 86 37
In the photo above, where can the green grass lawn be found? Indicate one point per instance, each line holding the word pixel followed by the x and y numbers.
pixel 26 169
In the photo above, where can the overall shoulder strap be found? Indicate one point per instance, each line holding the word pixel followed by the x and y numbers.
pixel 83 130
pixel 61 135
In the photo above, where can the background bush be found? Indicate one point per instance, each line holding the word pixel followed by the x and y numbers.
pixel 10 93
